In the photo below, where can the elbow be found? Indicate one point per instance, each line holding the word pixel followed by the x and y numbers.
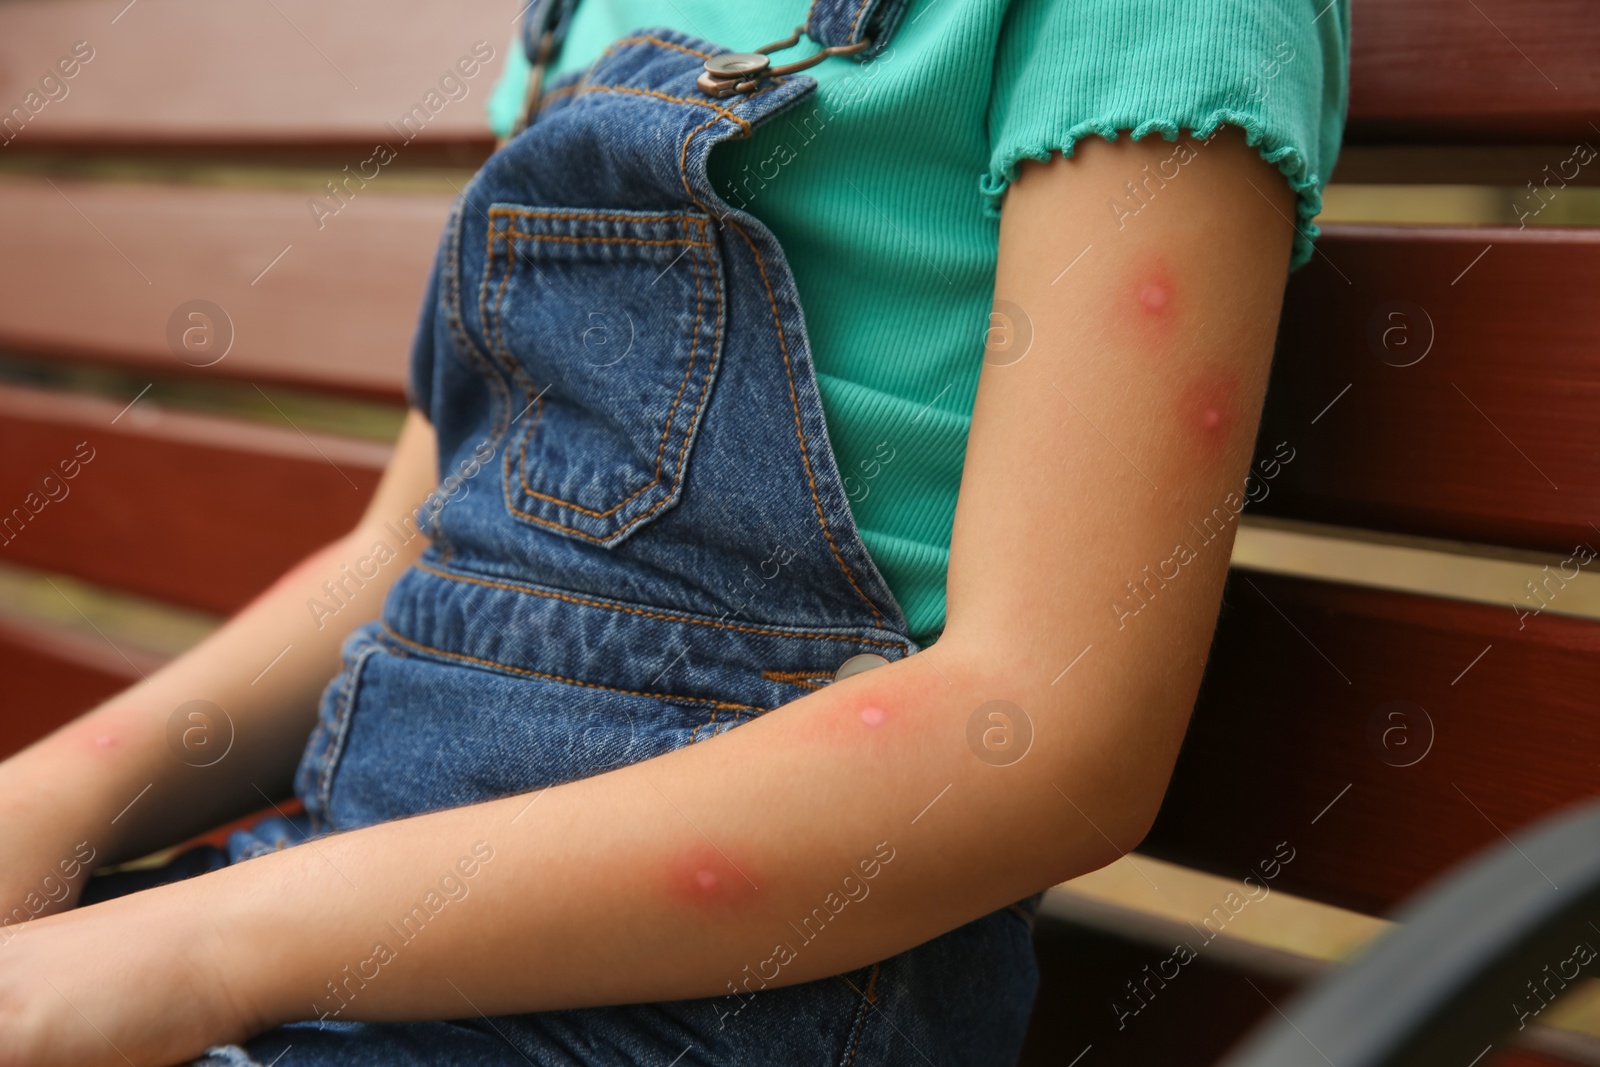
pixel 1113 794
pixel 1136 819
pixel 1101 758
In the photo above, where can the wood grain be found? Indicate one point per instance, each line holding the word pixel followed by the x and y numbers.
pixel 97 270
pixel 190 73
pixel 1492 434
pixel 1293 739
pixel 184 508
pixel 1475 71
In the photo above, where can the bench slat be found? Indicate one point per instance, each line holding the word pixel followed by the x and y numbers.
pixel 218 76
pixel 50 680
pixel 1491 436
pixel 1438 70
pixel 96 270
pixel 1468 444
pixel 189 509
pixel 236 77
pixel 1289 742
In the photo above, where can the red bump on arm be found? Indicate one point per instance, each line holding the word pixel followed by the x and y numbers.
pixel 704 877
pixel 1155 294
pixel 850 723
pixel 1208 410
pixel 95 739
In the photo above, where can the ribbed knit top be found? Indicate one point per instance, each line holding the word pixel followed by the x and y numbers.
pixel 884 189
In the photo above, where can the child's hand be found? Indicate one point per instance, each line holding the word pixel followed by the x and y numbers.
pixel 131 981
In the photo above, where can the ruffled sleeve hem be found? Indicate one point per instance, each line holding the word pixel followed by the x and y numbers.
pixel 1292 160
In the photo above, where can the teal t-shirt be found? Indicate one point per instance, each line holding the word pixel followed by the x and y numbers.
pixel 884 189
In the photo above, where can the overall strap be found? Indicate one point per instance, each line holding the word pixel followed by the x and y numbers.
pixel 841 23
pixel 830 23
pixel 544 28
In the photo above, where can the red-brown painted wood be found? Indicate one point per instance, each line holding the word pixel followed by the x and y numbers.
pixel 98 270
pixel 1492 436
pixel 219 76
pixel 50 680
pixel 1474 70
pixel 1296 708
pixel 184 508
pixel 231 76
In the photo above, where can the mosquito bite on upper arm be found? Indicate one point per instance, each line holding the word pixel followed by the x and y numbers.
pixel 1095 456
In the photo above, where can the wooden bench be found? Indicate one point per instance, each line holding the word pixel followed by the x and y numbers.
pixel 178 166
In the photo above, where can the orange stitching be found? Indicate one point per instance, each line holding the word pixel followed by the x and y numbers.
pixel 458 328
pixel 805 453
pixel 777 322
pixel 503 421
pixel 803 679
pixel 861 1023
pixel 515 367
pixel 683 448
pixel 464 341
pixel 696 731
pixel 423 565
pixel 538 404
pixel 600 240
pixel 505 211
pixel 855 22
pixel 497 344
pixel 711 373
pixel 794 399
pixel 716 728
pixel 653 40
pixel 510 363
pixel 555 93
pixel 722 112
pixel 694 344
pixel 721 704
pixel 657 506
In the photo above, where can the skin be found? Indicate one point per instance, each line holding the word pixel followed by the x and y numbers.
pixel 1081 470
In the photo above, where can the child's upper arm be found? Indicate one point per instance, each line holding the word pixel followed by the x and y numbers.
pixel 1105 467
pixel 412 474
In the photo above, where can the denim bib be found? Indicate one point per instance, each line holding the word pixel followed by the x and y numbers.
pixel 641 539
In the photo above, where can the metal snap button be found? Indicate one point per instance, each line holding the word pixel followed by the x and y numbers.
pixel 857 664
pixel 734 64
pixel 740 72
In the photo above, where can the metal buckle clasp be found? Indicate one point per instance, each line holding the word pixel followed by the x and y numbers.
pixel 741 72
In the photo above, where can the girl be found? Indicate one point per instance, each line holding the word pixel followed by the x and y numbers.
pixel 769 644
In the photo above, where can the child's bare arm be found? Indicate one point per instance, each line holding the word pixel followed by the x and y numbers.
pixel 122 780
pixel 868 803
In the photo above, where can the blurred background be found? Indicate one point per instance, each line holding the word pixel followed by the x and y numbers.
pixel 216 220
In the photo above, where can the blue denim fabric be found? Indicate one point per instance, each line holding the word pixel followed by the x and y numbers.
pixel 648 544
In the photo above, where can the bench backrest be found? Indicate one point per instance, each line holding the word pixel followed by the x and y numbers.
pixel 178 167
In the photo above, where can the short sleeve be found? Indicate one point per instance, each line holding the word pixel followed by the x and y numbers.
pixel 510 90
pixel 1278 69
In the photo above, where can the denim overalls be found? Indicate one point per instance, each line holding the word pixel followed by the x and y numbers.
pixel 644 541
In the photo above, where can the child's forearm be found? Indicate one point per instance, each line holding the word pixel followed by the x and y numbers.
pixel 210 736
pixel 218 731
pixel 801 845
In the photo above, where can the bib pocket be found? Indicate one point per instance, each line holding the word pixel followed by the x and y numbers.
pixel 609 325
